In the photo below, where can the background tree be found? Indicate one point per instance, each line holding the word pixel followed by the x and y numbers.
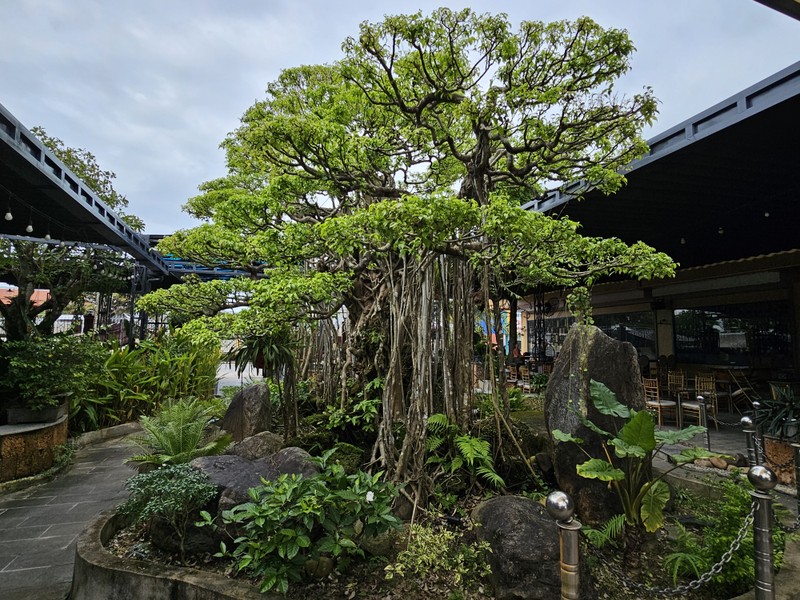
pixel 388 185
pixel 66 271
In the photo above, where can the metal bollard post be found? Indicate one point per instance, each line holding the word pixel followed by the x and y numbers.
pixel 561 508
pixel 749 434
pixel 763 479
pixel 701 402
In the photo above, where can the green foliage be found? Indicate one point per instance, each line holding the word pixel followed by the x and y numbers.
pixel 779 413
pixel 130 383
pixel 443 552
pixel 173 493
pixel 293 519
pixel 46 371
pixel 178 433
pixel 634 446
pixel 610 532
pixel 362 414
pixel 453 453
pixel 698 551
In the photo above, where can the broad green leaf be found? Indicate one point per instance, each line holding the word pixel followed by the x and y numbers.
pixel 653 503
pixel 597 468
pixel 676 437
pixel 586 422
pixel 623 449
pixel 605 401
pixel 692 454
pixel 563 436
pixel 639 431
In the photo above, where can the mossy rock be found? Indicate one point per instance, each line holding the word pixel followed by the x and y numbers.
pixel 349 456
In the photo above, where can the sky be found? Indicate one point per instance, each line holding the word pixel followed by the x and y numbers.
pixel 151 87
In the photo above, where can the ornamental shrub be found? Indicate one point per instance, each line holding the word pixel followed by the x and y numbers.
pixel 45 371
pixel 295 519
pixel 173 493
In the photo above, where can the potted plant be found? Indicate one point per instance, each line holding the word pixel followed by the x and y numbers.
pixel 778 418
pixel 41 375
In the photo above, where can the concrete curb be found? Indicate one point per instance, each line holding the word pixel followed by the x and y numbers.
pixel 102 435
pixel 99 575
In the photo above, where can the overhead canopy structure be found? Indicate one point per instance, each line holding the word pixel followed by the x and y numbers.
pixel 40 191
pixel 722 185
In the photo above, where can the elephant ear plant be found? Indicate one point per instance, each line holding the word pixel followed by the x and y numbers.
pixel 643 496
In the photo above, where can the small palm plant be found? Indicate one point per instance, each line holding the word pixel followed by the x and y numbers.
pixel 179 433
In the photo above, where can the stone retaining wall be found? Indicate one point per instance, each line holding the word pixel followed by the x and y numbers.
pixel 29 449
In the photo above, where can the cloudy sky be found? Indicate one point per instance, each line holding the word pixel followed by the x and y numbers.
pixel 152 87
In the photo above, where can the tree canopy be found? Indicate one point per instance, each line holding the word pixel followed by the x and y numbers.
pixel 389 184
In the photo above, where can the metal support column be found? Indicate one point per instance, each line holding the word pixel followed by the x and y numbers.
pixel 561 508
pixel 763 479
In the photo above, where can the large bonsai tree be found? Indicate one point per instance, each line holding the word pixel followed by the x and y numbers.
pixel 386 188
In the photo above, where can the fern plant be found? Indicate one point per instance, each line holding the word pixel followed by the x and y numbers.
pixel 610 532
pixel 178 433
pixel 452 452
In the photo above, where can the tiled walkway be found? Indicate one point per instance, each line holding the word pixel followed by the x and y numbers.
pixel 39 525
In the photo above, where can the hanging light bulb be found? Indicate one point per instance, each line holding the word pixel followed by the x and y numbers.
pixel 47 236
pixel 9 216
pixel 29 228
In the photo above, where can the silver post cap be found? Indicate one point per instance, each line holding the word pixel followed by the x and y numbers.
pixel 746 421
pixel 560 506
pixel 762 478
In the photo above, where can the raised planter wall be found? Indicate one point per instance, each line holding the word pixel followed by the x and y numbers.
pixel 29 449
pixel 101 575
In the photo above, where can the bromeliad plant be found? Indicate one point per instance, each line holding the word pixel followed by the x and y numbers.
pixel 643 496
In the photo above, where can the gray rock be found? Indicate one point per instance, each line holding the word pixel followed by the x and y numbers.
pixel 589 354
pixel 525 548
pixel 249 413
pixel 256 446
pixel 234 475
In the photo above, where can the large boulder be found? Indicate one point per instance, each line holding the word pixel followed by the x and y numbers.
pixel 249 413
pixel 525 548
pixel 234 475
pixel 257 446
pixel 587 353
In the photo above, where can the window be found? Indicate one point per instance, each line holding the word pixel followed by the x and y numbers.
pixel 752 335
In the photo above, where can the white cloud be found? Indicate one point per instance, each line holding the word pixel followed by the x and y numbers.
pixel 152 87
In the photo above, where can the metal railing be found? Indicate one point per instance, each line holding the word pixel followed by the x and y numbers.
pixel 761 517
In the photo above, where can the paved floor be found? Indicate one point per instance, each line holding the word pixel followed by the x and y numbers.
pixel 40 524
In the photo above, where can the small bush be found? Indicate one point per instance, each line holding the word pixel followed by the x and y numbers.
pixel 443 552
pixel 294 519
pixel 172 493
pixel 179 433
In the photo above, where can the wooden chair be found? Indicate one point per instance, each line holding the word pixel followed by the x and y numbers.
pixel 524 379
pixel 654 401
pixel 511 375
pixel 705 385
pixel 676 385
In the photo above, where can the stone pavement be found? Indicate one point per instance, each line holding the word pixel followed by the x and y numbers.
pixel 40 524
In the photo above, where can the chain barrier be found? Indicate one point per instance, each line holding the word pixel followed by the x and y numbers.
pixel 775 466
pixel 786 528
pixel 724 423
pixel 696 583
